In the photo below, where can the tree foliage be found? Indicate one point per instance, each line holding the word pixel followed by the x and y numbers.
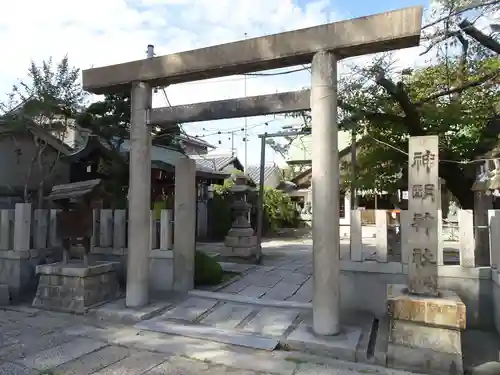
pixel 109 118
pixel 455 96
pixel 48 99
pixel 279 209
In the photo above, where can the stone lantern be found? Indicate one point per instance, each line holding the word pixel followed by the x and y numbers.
pixel 241 239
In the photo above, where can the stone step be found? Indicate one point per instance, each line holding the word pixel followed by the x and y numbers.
pixel 229 297
pixel 225 336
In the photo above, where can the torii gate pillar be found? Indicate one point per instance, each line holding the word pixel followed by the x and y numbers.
pixel 139 245
pixel 325 186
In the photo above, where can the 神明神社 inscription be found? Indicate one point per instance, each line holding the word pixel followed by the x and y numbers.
pixel 423 206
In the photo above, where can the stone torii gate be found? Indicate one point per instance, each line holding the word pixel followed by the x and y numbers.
pixel 324 45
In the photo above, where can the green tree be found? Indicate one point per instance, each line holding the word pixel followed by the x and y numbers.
pixel 455 97
pixel 45 102
pixel 109 119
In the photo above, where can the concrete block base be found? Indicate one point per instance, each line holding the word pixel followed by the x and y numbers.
pixel 4 295
pixel 74 287
pixel 425 332
pixel 342 346
pixel 161 270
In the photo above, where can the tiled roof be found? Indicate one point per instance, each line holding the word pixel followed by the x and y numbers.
pixel 253 171
pixel 194 140
pixel 223 163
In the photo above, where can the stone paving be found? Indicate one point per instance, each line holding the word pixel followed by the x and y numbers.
pixel 285 273
pixel 35 342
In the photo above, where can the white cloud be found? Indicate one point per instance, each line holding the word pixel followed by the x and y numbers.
pixel 96 33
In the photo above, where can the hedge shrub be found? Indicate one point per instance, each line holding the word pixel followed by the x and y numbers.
pixel 207 271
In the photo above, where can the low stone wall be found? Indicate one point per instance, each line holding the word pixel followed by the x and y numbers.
pixel 364 284
pixel 495 285
pixel 18 269
pixel 161 268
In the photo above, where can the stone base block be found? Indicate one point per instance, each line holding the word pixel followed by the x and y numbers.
pixel 242 241
pixel 73 287
pixel 426 361
pixel 241 232
pixel 342 346
pixel 447 310
pixel 243 252
pixel 161 270
pixel 424 332
pixel 4 295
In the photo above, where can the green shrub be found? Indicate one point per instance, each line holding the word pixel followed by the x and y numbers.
pixel 279 210
pixel 206 270
pixel 220 215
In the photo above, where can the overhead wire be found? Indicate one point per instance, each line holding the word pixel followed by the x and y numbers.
pixel 464 162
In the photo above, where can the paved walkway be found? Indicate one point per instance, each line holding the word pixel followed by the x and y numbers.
pixel 35 342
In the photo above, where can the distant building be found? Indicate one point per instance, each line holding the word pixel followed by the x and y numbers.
pixel 219 162
pixel 193 145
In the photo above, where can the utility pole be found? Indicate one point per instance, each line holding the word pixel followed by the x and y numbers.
pixel 232 144
pixel 245 139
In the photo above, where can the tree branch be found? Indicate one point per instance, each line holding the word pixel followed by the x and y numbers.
pixel 399 94
pixel 371 116
pixel 461 10
pixel 483 39
pixel 440 39
pixel 461 88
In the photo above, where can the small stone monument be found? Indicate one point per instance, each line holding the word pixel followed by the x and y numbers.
pixel 241 239
pixel 425 322
pixel 74 285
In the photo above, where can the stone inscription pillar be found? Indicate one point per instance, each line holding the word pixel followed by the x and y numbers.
pixel 424 200
pixel 139 197
pixel 325 184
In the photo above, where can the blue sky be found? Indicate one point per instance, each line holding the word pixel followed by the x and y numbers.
pixel 359 8
pixel 97 33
